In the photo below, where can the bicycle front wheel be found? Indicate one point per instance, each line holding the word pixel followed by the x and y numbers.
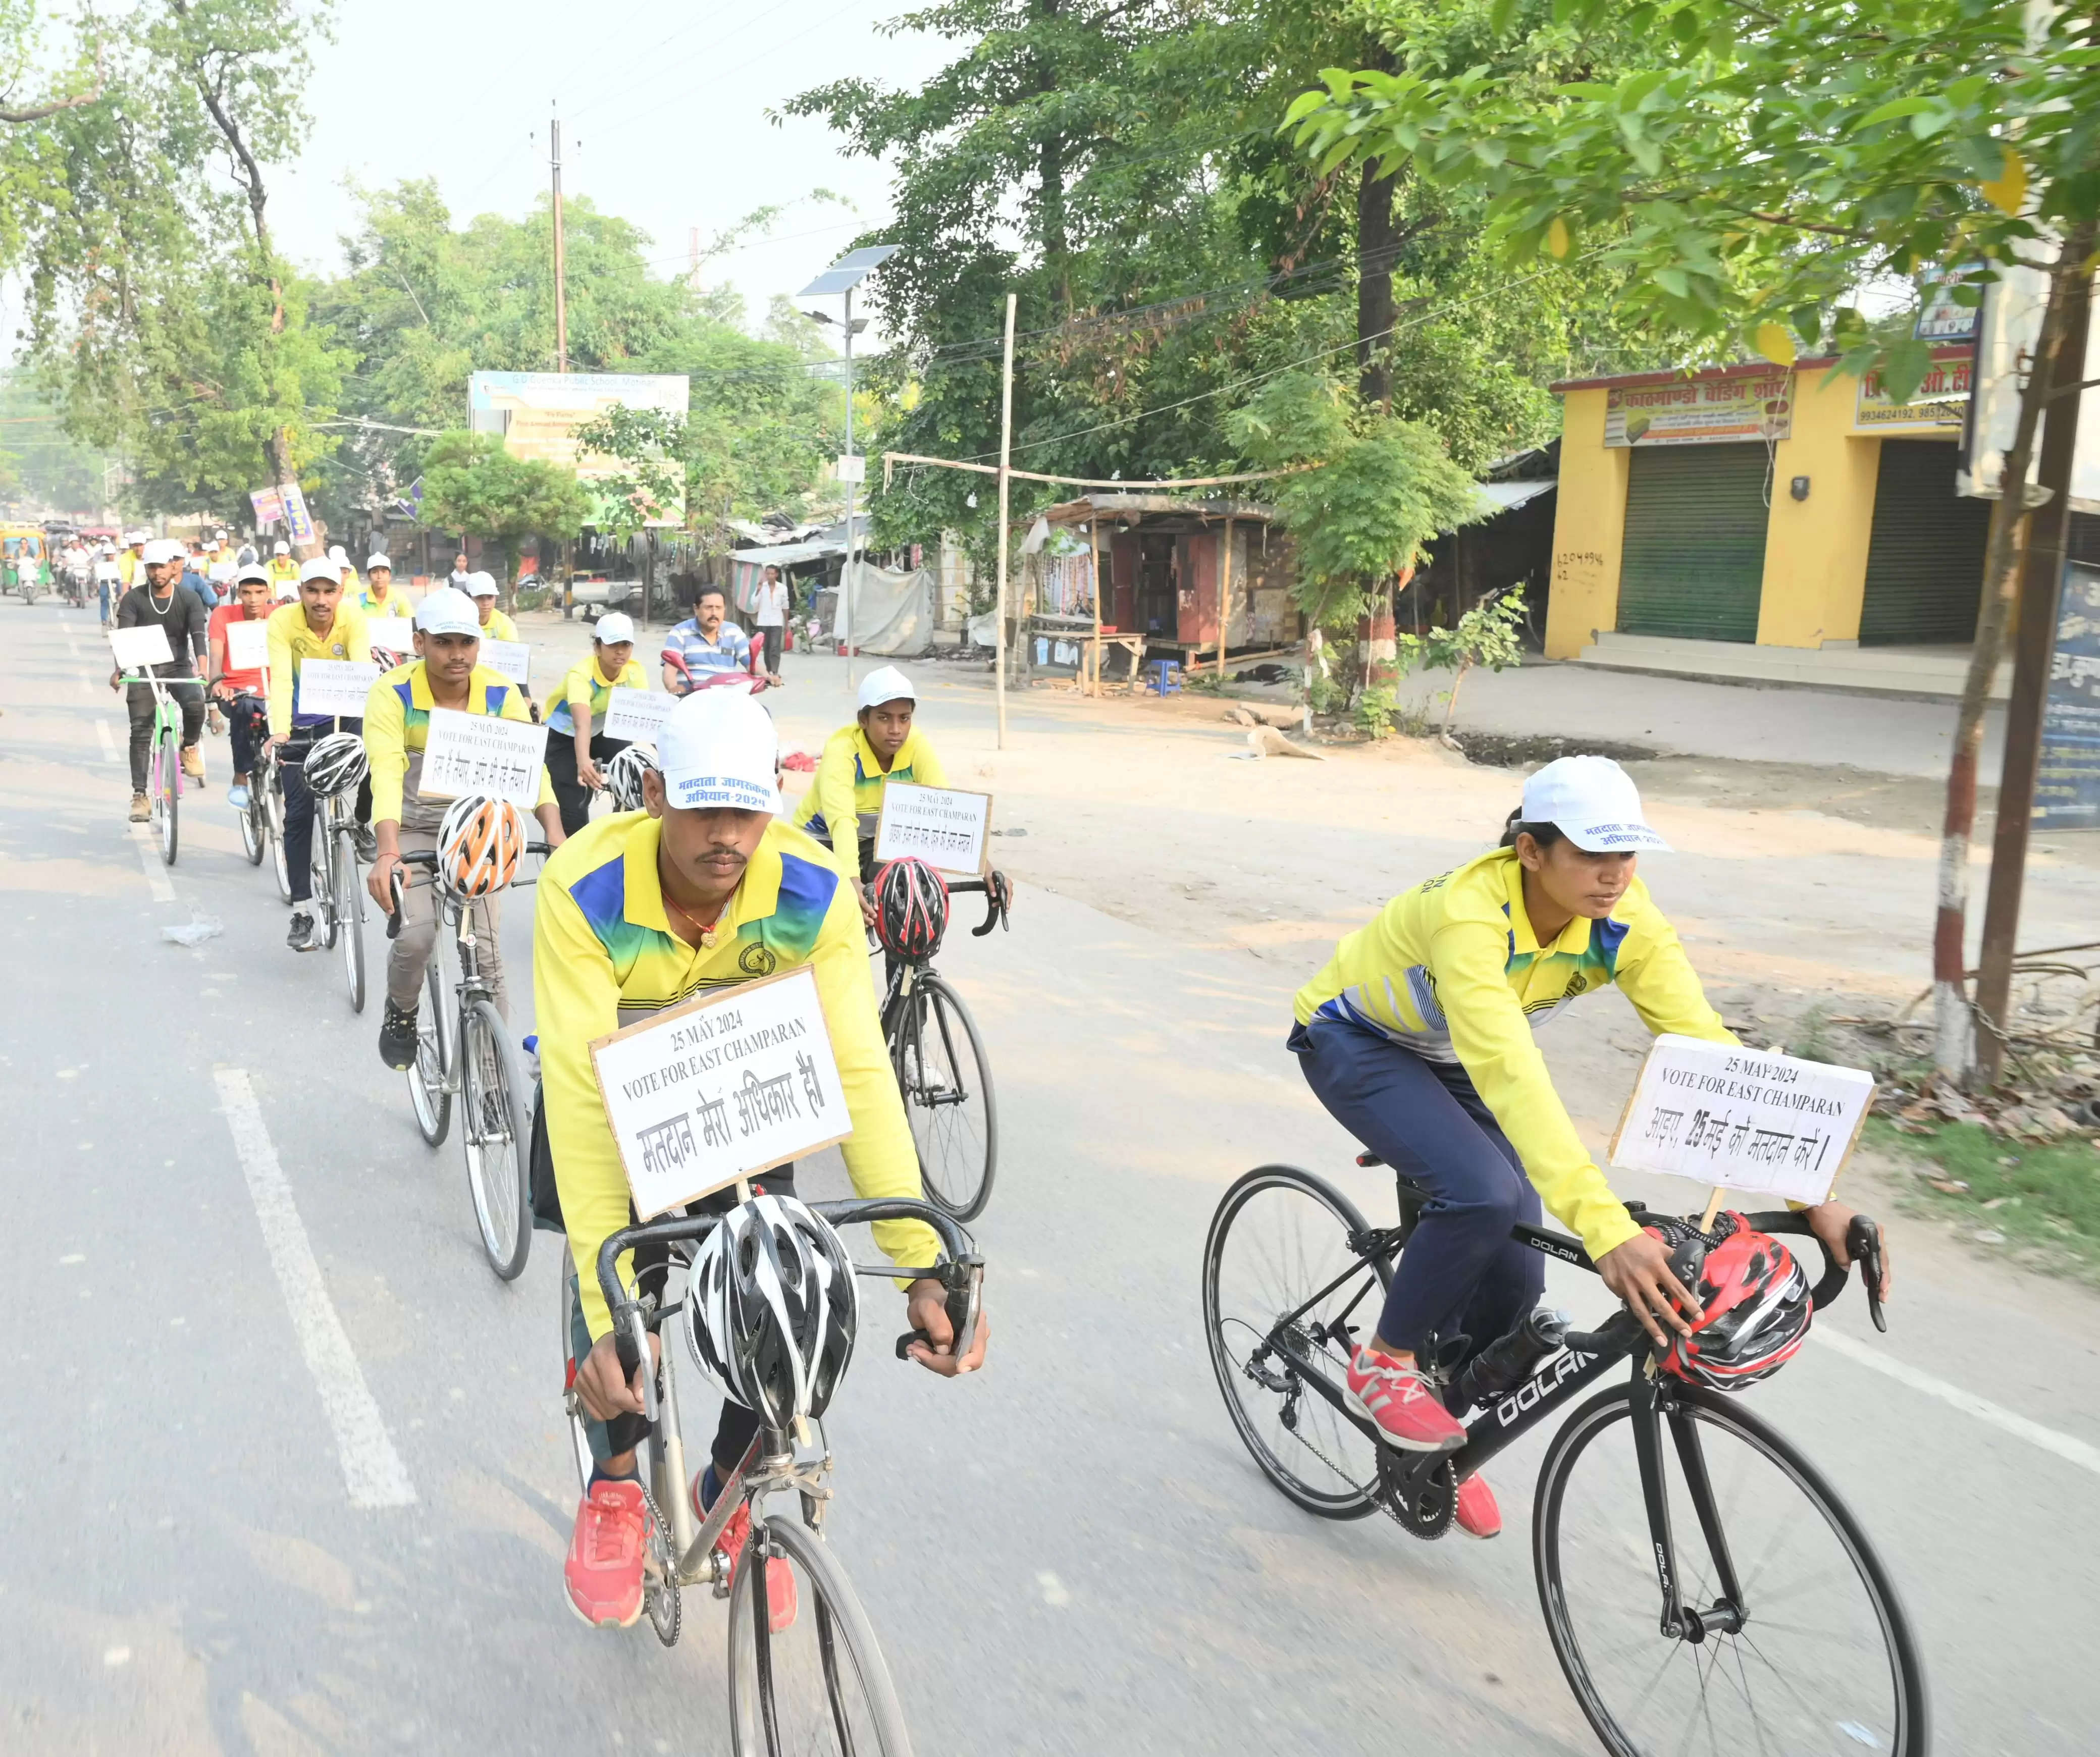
pixel 495 1129
pixel 254 831
pixel 1280 1236
pixel 350 911
pixel 944 1078
pixel 167 794
pixel 273 816
pixel 1821 1658
pixel 321 877
pixel 430 1090
pixel 819 1684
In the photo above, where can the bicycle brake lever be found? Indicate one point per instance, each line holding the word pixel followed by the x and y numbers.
pixel 1862 1244
pixel 964 1302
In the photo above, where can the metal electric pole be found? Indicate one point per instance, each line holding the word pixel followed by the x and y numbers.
pixel 561 262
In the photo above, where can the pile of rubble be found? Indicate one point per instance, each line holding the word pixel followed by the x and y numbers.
pixel 2063 1102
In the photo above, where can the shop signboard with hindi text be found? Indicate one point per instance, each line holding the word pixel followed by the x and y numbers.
pixel 482 753
pixel 1752 1120
pixel 720 1088
pixel 941 826
pixel 1706 410
pixel 1939 404
pixel 335 686
pixel 2067 788
pixel 633 714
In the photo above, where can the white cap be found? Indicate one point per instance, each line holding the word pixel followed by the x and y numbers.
pixel 446 611
pixel 219 536
pixel 321 567
pixel 376 560
pixel 886 684
pixel 253 570
pixel 136 538
pixel 339 555
pixel 483 586
pixel 280 548
pixel 1594 803
pixel 613 626
pixel 718 751
pixel 162 550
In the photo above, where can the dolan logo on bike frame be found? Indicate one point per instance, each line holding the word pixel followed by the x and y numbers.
pixel 757 960
pixel 1525 1398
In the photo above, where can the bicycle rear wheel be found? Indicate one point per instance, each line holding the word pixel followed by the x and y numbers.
pixel 1824 1661
pixel 495 1129
pixel 168 785
pixel 321 877
pixel 944 1078
pixel 273 809
pixel 821 1683
pixel 428 1075
pixel 1278 1237
pixel 254 831
pixel 350 914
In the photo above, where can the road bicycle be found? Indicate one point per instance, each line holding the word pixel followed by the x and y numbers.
pixel 1703 1588
pixel 164 759
pixel 263 820
pixel 464 1051
pixel 822 1684
pixel 338 897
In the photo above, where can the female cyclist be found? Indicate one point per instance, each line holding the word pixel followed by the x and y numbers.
pixel 1417 1037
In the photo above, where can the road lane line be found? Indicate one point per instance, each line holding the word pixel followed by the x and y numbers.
pixel 151 863
pixel 108 743
pixel 371 1467
pixel 2072 1450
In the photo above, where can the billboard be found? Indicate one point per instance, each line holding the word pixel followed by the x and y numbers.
pixel 535 415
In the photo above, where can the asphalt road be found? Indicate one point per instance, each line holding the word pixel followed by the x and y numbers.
pixel 284 1463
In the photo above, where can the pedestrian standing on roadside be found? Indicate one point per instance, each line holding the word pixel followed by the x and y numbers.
pixel 460 577
pixel 768 615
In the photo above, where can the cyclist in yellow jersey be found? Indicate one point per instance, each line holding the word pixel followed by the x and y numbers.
pixel 858 761
pixel 495 625
pixel 574 747
pixel 1417 1036
pixel 397 728
pixel 131 565
pixel 378 598
pixel 704 889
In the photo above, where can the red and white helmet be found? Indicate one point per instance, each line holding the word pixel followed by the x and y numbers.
pixel 1757 1305
pixel 480 844
pixel 911 910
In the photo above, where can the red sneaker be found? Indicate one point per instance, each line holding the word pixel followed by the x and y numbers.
pixel 1403 1404
pixel 780 1604
pixel 604 1568
pixel 1478 1517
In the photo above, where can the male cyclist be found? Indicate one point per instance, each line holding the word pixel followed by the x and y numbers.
pixel 704 889
pixel 1417 1037
pixel 495 624
pixel 703 645
pixel 161 601
pixel 378 597
pixel 574 749
pixel 240 690
pixel 397 728
pixel 845 799
pixel 315 626
pixel 109 582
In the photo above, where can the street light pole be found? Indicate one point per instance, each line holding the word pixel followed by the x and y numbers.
pixel 561 267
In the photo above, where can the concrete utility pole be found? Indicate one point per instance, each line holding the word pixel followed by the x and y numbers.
pixel 560 260
pixel 2041 584
pixel 847 575
pixel 1005 480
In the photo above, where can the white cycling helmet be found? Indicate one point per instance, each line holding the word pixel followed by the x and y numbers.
pixel 623 775
pixel 771 1310
pixel 337 764
pixel 480 842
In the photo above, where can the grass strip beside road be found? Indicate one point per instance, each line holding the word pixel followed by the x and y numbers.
pixel 2041 1201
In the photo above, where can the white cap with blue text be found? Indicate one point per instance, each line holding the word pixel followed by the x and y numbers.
pixel 718 751
pixel 886 683
pixel 448 611
pixel 1594 803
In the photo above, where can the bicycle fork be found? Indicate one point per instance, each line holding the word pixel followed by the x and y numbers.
pixel 1679 1621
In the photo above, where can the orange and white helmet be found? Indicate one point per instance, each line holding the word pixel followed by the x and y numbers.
pixel 480 844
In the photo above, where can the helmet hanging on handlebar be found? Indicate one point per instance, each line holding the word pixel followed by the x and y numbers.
pixel 1758 1306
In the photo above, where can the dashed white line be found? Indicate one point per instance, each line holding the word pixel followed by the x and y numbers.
pixel 151 865
pixel 372 1469
pixel 108 744
pixel 2064 1445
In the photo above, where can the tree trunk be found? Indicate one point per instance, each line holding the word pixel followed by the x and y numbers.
pixel 1953 1029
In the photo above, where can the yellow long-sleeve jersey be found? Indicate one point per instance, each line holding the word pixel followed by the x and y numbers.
pixel 1452 971
pixel 604 956
pixel 291 643
pixel 849 780
pixel 397 730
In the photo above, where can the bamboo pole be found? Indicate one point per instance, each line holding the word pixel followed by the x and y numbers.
pixel 1224 599
pixel 1095 522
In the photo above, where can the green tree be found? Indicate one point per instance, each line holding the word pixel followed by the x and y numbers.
pixel 472 486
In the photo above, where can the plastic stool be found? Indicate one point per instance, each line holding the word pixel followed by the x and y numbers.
pixel 1163 677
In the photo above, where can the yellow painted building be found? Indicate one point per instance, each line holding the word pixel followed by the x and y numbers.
pixel 1754 504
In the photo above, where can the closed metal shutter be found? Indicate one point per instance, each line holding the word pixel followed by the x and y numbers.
pixel 1924 559
pixel 1694 557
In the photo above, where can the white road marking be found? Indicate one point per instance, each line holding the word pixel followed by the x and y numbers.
pixel 371 1467
pixel 2064 1445
pixel 108 743
pixel 150 863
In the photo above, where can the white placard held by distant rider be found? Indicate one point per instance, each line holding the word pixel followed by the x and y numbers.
pixel 479 753
pixel 395 634
pixel 633 714
pixel 508 658
pixel 135 649
pixel 335 686
pixel 940 826
pixel 248 644
pixel 720 1089
pixel 1752 1120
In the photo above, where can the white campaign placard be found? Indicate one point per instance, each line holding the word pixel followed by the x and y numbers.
pixel 720 1089
pixel 135 648
pixel 1739 1119
pixel 396 634
pixel 939 825
pixel 248 644
pixel 637 713
pixel 510 659
pixel 479 753
pixel 335 686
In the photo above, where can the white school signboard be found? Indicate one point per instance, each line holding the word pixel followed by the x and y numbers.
pixel 720 1089
pixel 335 686
pixel 939 825
pixel 634 713
pixel 1752 1120
pixel 508 658
pixel 248 644
pixel 135 648
pixel 479 753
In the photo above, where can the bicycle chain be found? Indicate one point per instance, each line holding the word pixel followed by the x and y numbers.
pixel 660 1540
pixel 1381 1498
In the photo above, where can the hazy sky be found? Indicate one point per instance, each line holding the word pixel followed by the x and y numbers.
pixel 662 103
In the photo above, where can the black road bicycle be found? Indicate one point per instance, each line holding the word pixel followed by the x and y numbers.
pixel 1704 1586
